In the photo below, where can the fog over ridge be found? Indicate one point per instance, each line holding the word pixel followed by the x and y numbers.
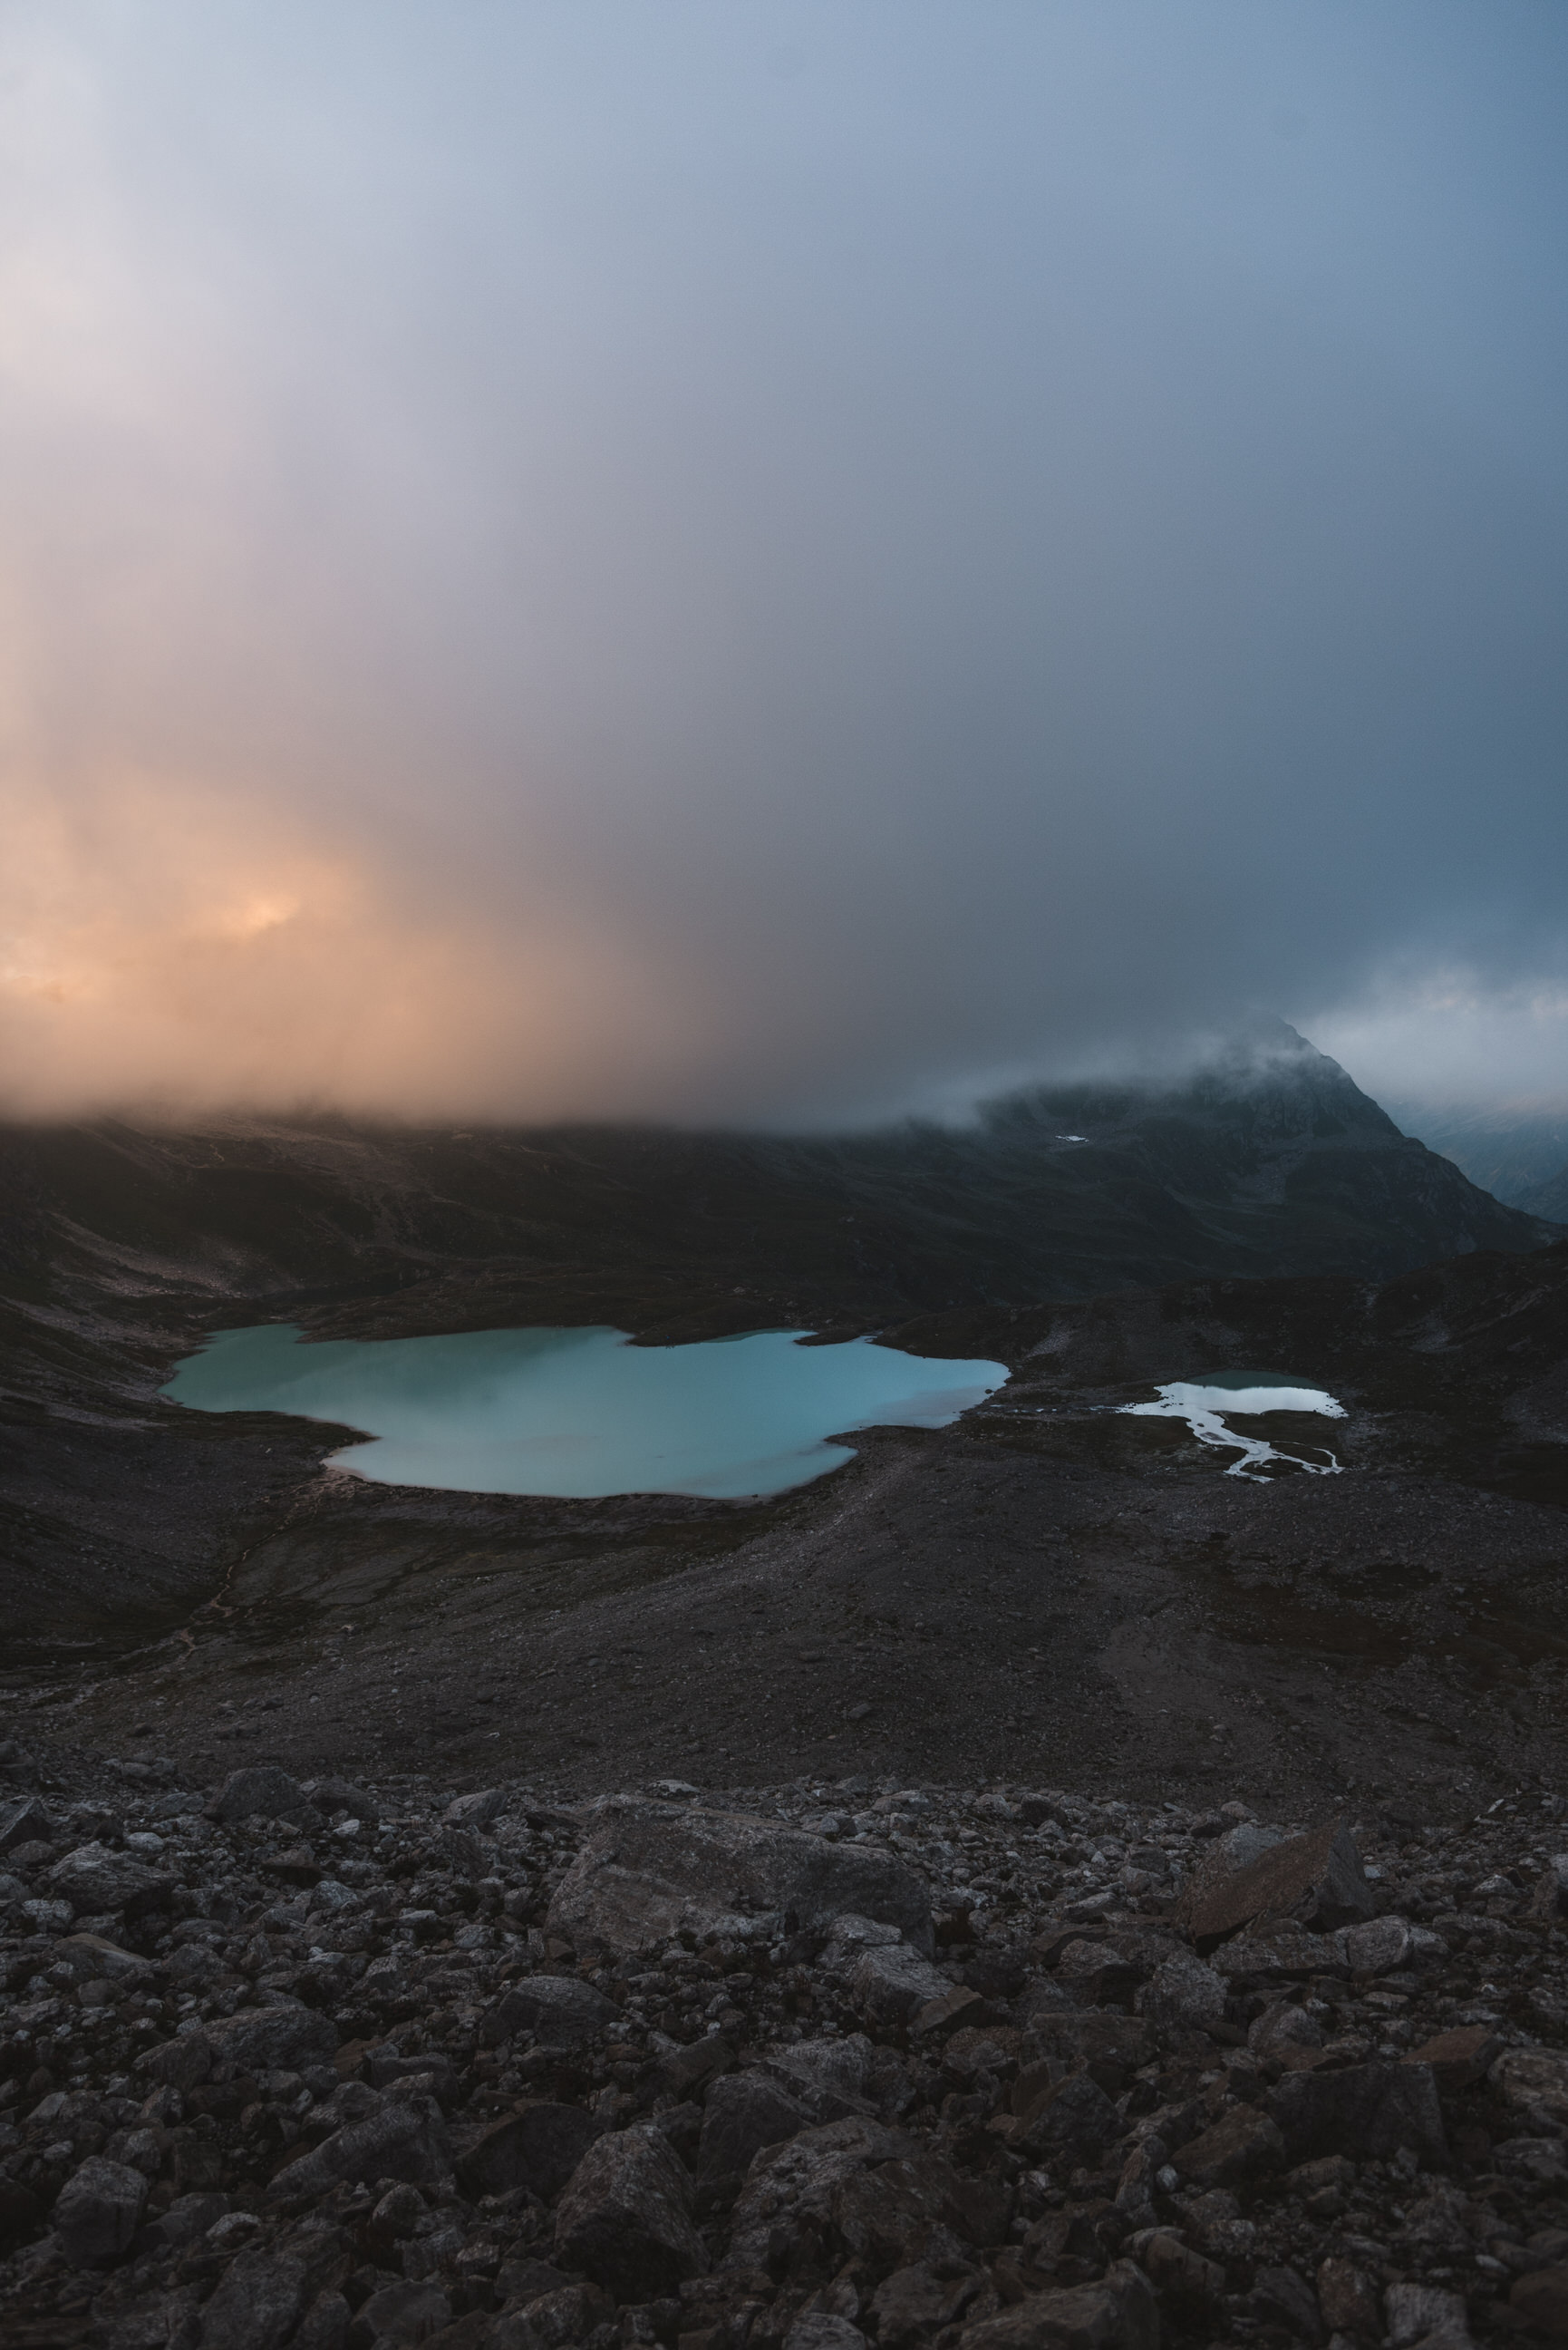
pixel 782 565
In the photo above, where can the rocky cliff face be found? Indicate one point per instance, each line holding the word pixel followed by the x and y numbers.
pixel 314 2066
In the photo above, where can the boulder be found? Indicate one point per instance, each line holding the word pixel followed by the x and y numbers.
pixel 1120 2313
pixel 1315 1881
pixel 24 1820
pixel 1072 2116
pixel 1425 2313
pixel 1549 1898
pixel 791 2185
pixel 404 2141
pixel 651 1870
pixel 180 2063
pixel 1458 2059
pixel 97 1883
pixel 1108 2046
pixel 272 2039
pixel 1241 2148
pixel 1184 1994
pixel 259 2302
pixel 625 2219
pixel 405 2312
pixel 343 1796
pixel 744 2112
pixel 538 2148
pixel 99 2210
pixel 558 2010
pixel 1533 2080
pixel 890 1983
pixel 1282 2296
pixel 818 2329
pixel 474 1811
pixel 1193 2286
pixel 1366 2111
pixel 917 2207
pixel 1378 1946
pixel 259 1787
pixel 1347 2298
pixel 1286 2033
pixel 1541 2301
pixel 833 2078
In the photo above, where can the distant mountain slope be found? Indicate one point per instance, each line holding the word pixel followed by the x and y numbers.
pixel 1549 1199
pixel 1518 1154
pixel 1269 1162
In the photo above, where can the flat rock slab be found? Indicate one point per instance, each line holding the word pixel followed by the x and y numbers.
pixel 1317 1880
pixel 649 1871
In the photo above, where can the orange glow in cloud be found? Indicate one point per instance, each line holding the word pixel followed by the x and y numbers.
pixel 163 949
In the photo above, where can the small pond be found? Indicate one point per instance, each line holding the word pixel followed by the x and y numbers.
pixel 584 1413
pixel 1205 1405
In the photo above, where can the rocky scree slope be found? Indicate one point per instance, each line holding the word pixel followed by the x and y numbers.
pixel 300 2067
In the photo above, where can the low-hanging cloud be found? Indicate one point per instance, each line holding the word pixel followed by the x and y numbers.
pixel 770 564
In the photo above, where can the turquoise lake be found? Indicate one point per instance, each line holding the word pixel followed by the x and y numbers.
pixel 580 1414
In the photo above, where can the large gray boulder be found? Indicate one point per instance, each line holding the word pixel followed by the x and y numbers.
pixel 793 2183
pixel 743 2113
pixel 1315 1881
pixel 397 2141
pixel 559 2011
pixel 259 1787
pixel 651 1870
pixel 889 1984
pixel 99 2210
pixel 625 2219
pixel 272 2039
pixel 98 1882
pixel 1120 2313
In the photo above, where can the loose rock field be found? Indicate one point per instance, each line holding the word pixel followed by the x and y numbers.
pixel 800 2068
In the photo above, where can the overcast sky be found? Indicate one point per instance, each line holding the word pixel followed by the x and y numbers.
pixel 776 561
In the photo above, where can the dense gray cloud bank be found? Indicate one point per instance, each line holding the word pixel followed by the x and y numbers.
pixel 775 562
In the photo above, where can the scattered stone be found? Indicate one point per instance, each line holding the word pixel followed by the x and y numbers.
pixel 1241 2148
pixel 475 1811
pixel 360 2111
pixel 1458 2059
pixel 1182 1991
pixel 1533 2080
pixel 399 2140
pixel 1120 2313
pixel 625 2217
pixel 649 1871
pixel 24 1820
pixel 99 2210
pixel 272 2039
pixel 262 1787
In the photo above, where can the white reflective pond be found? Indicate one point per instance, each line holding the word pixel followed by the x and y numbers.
pixel 1204 1404
pixel 584 1413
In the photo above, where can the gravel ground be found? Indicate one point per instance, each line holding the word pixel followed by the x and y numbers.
pixel 816 2065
